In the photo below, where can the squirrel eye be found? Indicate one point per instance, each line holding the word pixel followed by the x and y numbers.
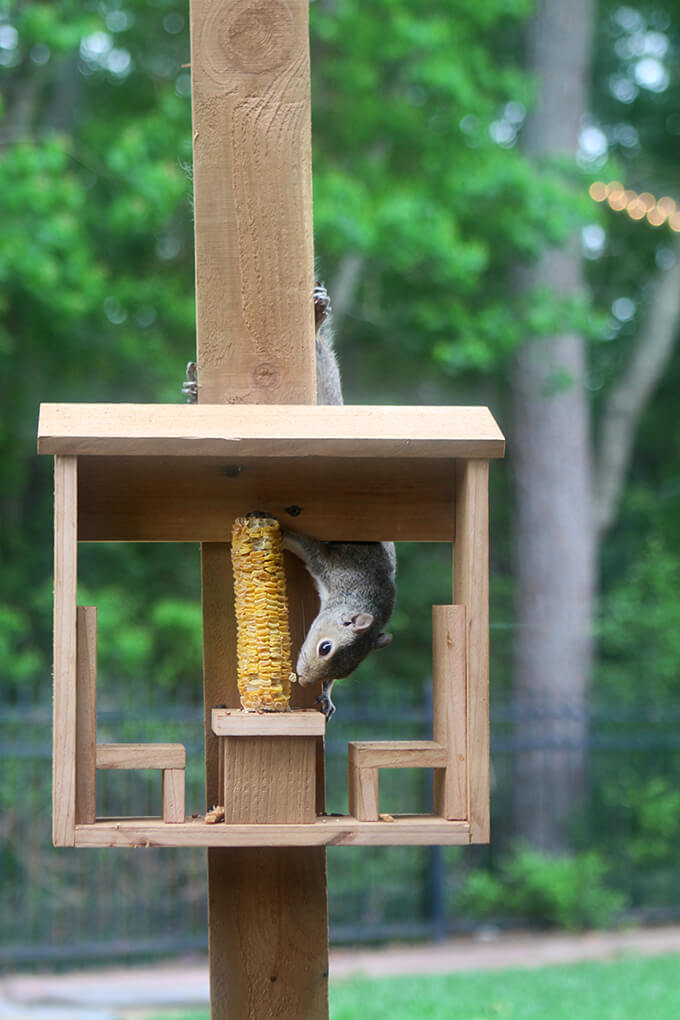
pixel 325 647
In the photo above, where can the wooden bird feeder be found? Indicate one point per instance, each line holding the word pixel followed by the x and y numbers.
pixel 182 473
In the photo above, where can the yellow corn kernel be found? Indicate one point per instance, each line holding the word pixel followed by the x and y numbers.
pixel 262 632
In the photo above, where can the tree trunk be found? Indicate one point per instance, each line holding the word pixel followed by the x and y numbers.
pixel 632 392
pixel 555 539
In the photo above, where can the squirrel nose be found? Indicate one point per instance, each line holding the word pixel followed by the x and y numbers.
pixel 302 672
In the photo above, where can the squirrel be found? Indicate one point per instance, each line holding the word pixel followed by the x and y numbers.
pixel 355 580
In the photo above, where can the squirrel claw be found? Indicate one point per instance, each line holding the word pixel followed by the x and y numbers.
pixel 322 305
pixel 324 701
pixel 190 387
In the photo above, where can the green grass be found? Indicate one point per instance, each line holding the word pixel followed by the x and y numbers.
pixel 626 989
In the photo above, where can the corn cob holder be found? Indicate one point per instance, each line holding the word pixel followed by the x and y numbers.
pixel 263 635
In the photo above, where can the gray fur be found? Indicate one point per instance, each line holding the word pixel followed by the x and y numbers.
pixel 355 580
pixel 357 592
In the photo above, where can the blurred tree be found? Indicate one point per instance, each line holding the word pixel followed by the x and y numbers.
pixel 569 487
pixel 554 531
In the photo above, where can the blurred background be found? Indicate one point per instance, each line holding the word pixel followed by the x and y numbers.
pixel 495 221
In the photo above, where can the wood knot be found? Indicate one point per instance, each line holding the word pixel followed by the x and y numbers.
pixel 266 375
pixel 258 34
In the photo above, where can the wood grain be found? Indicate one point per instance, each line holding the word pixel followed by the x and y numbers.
pixel 405 830
pixel 253 200
pixel 303 723
pixel 157 430
pixel 363 792
pixel 65 681
pixel 269 779
pixel 471 589
pixel 449 683
pixel 397 754
pixel 173 796
pixel 86 713
pixel 254 277
pixel 220 686
pixel 141 756
pixel 191 499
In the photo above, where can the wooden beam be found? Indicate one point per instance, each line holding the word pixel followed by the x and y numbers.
pixel 177 430
pixel 405 830
pixel 86 713
pixel 141 756
pixel 449 682
pixel 253 200
pixel 471 589
pixel 397 754
pixel 227 722
pixel 192 499
pixel 174 796
pixel 65 678
pixel 363 792
pixel 254 277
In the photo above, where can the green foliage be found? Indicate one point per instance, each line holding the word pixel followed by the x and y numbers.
pixel 95 273
pixel 569 892
pixel 638 632
pixel 416 171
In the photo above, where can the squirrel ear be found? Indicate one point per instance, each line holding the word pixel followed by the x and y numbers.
pixel 383 640
pixel 359 621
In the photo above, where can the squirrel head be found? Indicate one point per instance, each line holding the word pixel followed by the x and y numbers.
pixel 336 644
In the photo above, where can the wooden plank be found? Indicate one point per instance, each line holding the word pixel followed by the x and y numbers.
pixel 362 792
pixel 190 499
pixel 397 754
pixel 290 889
pixel 270 779
pixel 65 594
pixel 405 830
pixel 449 683
pixel 253 200
pixel 173 796
pixel 471 589
pixel 242 430
pixel 283 976
pixel 141 756
pixel 303 723
pixel 220 686
pixel 254 274
pixel 86 713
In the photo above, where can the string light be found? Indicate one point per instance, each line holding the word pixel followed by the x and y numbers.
pixel 638 206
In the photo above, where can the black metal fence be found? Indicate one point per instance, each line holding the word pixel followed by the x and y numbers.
pixel 78 905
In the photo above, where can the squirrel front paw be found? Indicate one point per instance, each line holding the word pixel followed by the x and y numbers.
pixel 322 305
pixel 190 386
pixel 324 700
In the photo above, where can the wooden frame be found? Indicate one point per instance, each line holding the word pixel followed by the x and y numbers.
pixel 76 754
pixel 184 473
pixel 448 753
pixel 458 751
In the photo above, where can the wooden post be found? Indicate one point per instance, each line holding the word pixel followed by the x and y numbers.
pixel 449 690
pixel 471 589
pixel 255 344
pixel 65 679
pixel 86 714
pixel 253 201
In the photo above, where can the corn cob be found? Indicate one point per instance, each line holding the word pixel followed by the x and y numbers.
pixel 262 634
